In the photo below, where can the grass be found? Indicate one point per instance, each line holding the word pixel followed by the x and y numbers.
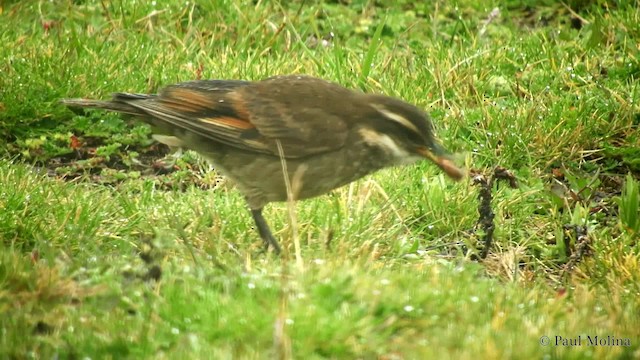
pixel 105 252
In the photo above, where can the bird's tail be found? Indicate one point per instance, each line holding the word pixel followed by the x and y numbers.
pixel 121 103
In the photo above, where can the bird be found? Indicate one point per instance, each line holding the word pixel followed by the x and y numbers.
pixel 324 135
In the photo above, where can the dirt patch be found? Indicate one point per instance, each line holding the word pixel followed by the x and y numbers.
pixel 155 162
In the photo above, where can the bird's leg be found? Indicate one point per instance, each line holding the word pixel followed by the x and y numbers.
pixel 263 229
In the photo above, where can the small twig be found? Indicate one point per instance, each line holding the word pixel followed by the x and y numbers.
pixel 291 196
pixel 465 61
pixel 575 14
pixel 582 246
pixel 329 238
pixel 283 25
pixel 281 339
pixel 484 209
pixel 492 16
pixel 106 12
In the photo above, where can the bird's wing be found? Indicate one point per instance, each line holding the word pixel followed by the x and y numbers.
pixel 306 114
pixel 303 113
pixel 200 107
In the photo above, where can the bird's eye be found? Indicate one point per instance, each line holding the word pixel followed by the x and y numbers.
pixel 414 137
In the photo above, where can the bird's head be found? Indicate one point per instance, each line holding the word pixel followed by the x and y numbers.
pixel 405 133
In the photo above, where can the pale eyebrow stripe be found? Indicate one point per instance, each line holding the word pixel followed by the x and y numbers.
pixel 396 117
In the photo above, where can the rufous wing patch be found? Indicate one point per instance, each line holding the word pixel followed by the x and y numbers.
pixel 179 107
pixel 183 99
pixel 239 105
pixel 228 122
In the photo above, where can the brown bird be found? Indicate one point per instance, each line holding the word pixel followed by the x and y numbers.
pixel 324 134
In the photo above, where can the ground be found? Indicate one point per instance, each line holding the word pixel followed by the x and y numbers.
pixel 112 247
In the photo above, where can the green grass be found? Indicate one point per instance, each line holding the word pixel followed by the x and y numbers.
pixel 88 219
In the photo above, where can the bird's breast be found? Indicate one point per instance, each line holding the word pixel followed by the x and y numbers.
pixel 261 177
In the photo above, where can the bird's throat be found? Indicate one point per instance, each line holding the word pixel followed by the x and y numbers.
pixel 395 153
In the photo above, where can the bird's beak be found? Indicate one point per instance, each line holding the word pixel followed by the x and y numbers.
pixel 441 158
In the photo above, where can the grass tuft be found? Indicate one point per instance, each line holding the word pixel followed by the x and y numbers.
pixel 112 247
